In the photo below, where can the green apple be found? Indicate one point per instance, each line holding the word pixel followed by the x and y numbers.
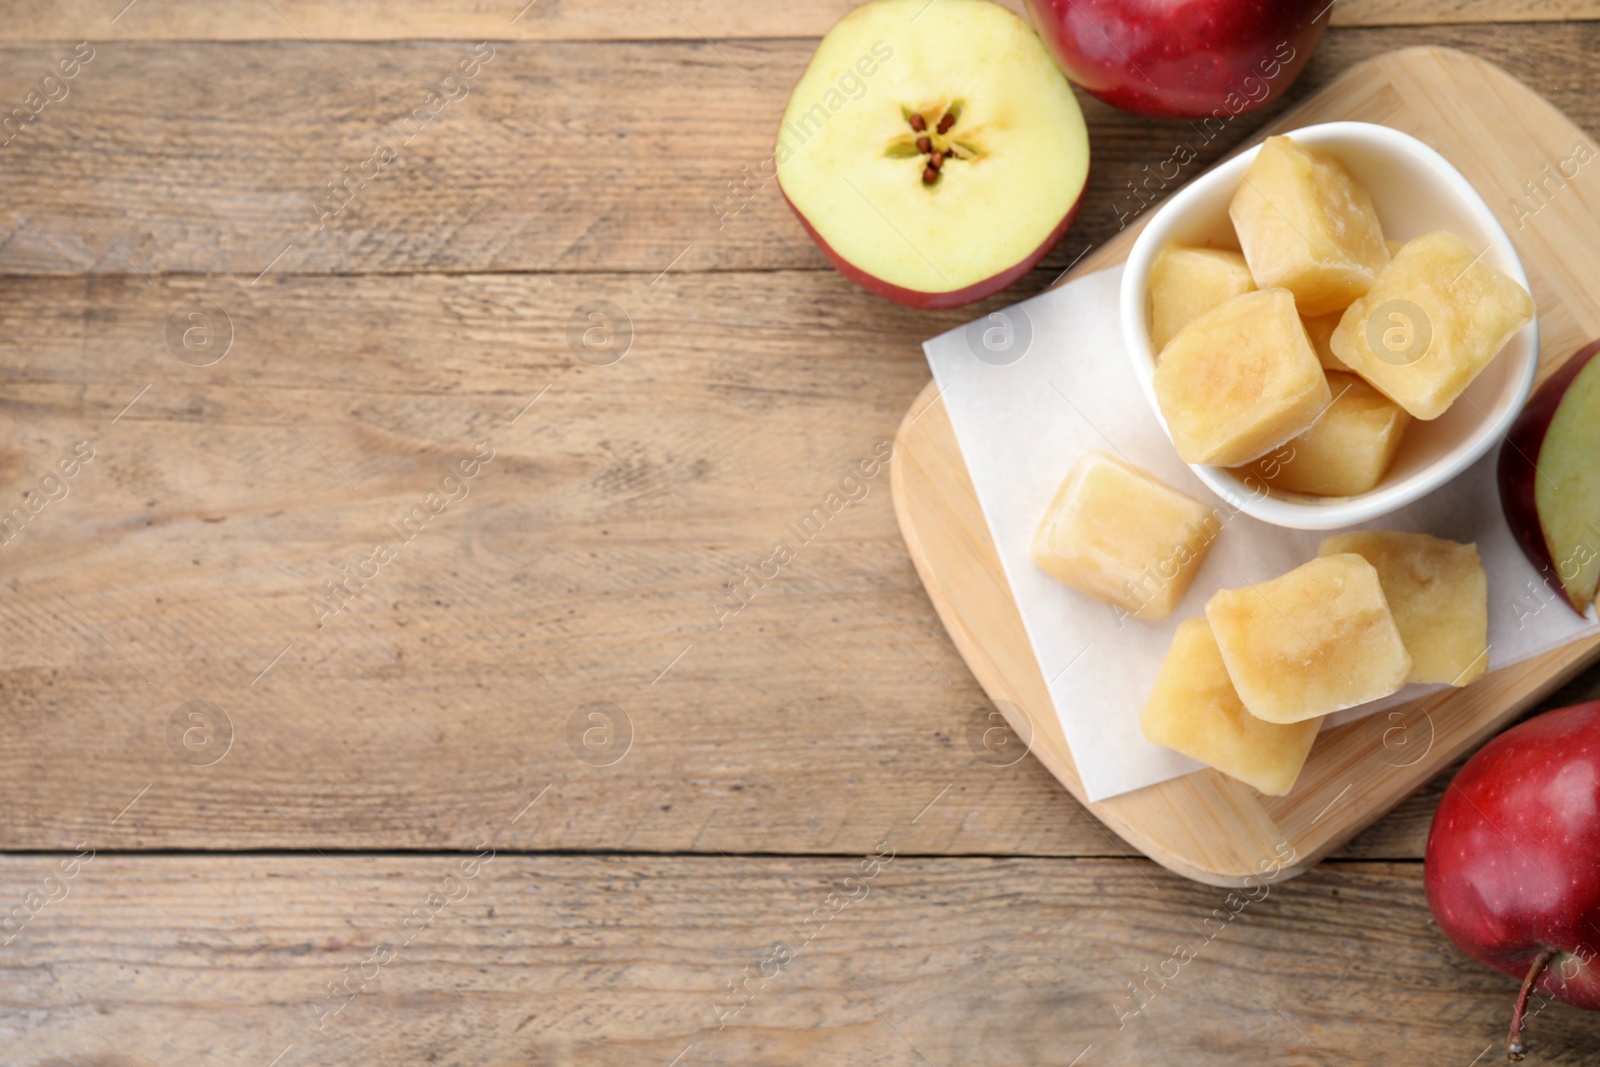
pixel 1550 478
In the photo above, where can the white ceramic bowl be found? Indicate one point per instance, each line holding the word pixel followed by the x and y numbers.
pixel 1415 192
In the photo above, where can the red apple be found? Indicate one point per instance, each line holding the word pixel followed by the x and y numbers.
pixel 1550 478
pixel 1513 863
pixel 933 150
pixel 1185 59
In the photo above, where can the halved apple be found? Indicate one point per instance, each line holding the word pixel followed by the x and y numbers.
pixel 1550 478
pixel 933 151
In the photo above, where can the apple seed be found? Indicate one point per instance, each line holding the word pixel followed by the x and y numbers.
pixel 930 175
pixel 918 123
pixel 948 121
pixel 936 160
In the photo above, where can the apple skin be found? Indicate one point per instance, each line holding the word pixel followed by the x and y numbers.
pixel 1513 860
pixel 1181 59
pixel 1518 464
pixel 956 297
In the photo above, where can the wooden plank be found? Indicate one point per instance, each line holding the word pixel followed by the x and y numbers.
pixel 1469 12
pixel 605 961
pixel 1206 825
pixel 546 164
pixel 596 545
pixel 599 20
pixel 593 551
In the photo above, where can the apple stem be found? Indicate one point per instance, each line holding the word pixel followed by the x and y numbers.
pixel 1515 1048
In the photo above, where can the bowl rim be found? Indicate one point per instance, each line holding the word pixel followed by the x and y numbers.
pixel 1347 511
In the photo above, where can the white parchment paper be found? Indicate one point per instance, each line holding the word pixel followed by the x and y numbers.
pixel 1023 420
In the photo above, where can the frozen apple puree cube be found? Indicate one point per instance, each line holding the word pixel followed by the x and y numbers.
pixel 1185 283
pixel 1307 225
pixel 1240 380
pixel 1316 640
pixel 1437 315
pixel 1195 710
pixel 1349 449
pixel 1119 535
pixel 1439 595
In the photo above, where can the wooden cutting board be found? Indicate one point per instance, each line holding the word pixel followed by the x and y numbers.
pixel 1205 826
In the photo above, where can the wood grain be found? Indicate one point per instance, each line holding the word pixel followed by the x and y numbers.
pixel 599 20
pixel 618 519
pixel 1444 12
pixel 829 715
pixel 605 962
pixel 597 542
pixel 592 552
pixel 1206 825
pixel 144 167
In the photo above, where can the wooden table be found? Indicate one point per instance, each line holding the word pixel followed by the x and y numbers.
pixel 528 789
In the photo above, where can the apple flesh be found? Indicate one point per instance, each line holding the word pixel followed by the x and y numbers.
pixel 1186 59
pixel 933 152
pixel 1549 476
pixel 1512 869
